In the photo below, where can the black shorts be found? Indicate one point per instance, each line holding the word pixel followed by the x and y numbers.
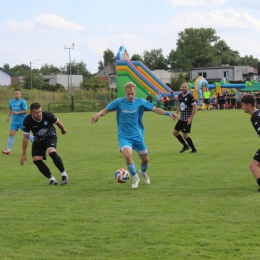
pixel 182 126
pixel 39 148
pixel 206 101
pixel 257 156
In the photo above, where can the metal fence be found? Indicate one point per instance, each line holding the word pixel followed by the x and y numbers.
pixel 77 107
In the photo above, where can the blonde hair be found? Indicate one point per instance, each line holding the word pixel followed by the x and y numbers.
pixel 129 85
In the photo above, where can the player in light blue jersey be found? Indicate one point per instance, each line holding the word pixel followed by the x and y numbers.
pixel 18 110
pixel 130 111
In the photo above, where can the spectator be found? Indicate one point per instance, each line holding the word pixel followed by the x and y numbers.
pixel 165 101
pixel 149 97
pixel 159 99
pixel 171 101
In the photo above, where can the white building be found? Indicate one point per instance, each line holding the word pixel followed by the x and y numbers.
pixel 5 78
pixel 63 80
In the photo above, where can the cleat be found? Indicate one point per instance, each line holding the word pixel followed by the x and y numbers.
pixel 53 182
pixel 194 151
pixel 258 190
pixel 145 176
pixel 7 152
pixel 64 180
pixel 185 148
pixel 135 182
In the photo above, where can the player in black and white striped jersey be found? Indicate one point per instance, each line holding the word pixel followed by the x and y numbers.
pixel 188 107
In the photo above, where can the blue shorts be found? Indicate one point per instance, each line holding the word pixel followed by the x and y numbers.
pixel 139 146
pixel 16 126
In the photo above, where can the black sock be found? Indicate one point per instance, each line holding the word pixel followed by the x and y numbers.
pixel 181 140
pixel 258 182
pixel 190 143
pixel 43 168
pixel 57 161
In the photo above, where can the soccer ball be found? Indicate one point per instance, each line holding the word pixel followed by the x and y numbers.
pixel 122 175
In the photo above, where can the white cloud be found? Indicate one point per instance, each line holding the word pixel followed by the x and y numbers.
pixel 192 3
pixel 225 19
pixel 25 25
pixel 54 21
pixel 44 20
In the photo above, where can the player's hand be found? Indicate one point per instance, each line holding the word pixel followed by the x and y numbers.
pixel 174 116
pixel 23 159
pixel 7 119
pixel 64 131
pixel 95 119
pixel 189 121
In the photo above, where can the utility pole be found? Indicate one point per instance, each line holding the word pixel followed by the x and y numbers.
pixel 31 71
pixel 71 89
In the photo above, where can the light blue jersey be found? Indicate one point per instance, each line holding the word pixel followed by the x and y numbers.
pixel 129 117
pixel 17 106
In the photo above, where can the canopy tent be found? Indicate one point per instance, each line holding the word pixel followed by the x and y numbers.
pixel 254 88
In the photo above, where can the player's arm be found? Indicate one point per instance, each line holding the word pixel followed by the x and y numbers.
pixel 19 112
pixel 103 112
pixel 61 127
pixel 8 116
pixel 24 148
pixel 160 111
pixel 194 110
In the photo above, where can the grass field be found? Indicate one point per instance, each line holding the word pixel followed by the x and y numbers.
pixel 198 206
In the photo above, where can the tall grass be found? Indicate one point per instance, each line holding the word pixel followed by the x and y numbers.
pixel 198 206
pixel 45 97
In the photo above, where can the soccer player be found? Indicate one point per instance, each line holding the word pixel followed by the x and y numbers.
pixel 130 111
pixel 45 138
pixel 248 105
pixel 18 110
pixel 188 107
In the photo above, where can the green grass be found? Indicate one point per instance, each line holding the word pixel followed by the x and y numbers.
pixel 198 206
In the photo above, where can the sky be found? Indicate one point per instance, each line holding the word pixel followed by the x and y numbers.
pixel 38 31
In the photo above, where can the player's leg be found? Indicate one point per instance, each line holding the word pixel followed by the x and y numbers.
pixel 51 144
pixel 254 167
pixel 176 131
pixel 141 149
pixel 126 150
pixel 37 153
pixel 186 135
pixel 10 141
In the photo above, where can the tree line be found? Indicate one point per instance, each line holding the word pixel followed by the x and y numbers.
pixel 194 48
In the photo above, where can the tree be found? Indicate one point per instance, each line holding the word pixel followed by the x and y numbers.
pixel 37 81
pixel 155 59
pixel 177 60
pixel 109 57
pixel 225 54
pixel 249 61
pixel 49 69
pixel 137 57
pixel 196 45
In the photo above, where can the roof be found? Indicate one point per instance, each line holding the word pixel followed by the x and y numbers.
pixel 6 71
pixel 254 87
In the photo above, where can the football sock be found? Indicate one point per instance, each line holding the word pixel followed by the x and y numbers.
pixel 64 174
pixel 10 143
pixel 57 161
pixel 258 182
pixel 144 168
pixel 181 140
pixel 132 169
pixel 43 168
pixel 31 138
pixel 190 143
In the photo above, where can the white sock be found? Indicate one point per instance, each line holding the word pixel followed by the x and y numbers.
pixel 52 178
pixel 64 174
pixel 135 176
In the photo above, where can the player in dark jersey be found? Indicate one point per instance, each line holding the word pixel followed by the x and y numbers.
pixel 45 138
pixel 188 107
pixel 249 106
